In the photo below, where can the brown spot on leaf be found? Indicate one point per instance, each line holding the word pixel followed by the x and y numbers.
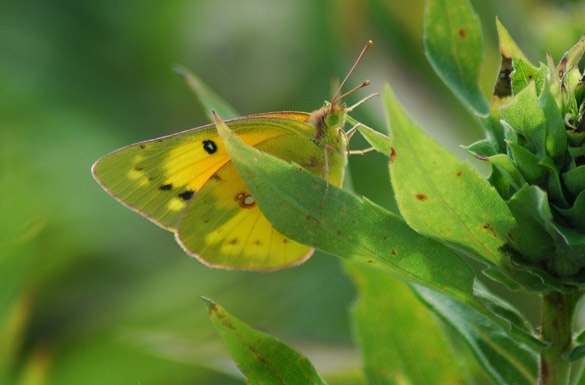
pixel 488 227
pixel 234 241
pixel 370 261
pixel 511 237
pixel 458 173
pixel 285 240
pixel 257 242
pixel 393 252
pixel 392 154
pixel 462 33
pixel 311 218
pixel 421 197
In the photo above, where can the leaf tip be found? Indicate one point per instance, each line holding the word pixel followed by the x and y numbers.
pixel 211 306
pixel 180 70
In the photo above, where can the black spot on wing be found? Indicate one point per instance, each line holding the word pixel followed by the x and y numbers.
pixel 186 195
pixel 209 146
pixel 166 187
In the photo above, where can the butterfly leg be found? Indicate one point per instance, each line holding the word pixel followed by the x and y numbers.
pixel 352 130
pixel 349 134
pixel 361 152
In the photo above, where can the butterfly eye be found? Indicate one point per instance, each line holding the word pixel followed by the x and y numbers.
pixel 331 120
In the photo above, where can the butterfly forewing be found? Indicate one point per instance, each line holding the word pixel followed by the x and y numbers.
pixel 158 177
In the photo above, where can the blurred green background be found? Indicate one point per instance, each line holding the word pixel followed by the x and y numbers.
pixel 91 293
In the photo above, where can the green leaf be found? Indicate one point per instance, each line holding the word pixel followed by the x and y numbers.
pixel 453 44
pixel 506 360
pixel 379 141
pixel 576 152
pixel 399 338
pixel 344 225
pixel 575 242
pixel 508 47
pixel 568 68
pixel 481 149
pixel 576 214
pixel 442 197
pixel 553 183
pixel 500 183
pixel 539 238
pixel 261 358
pixel 208 98
pixel 524 73
pixel 556 135
pixel 507 167
pixel 574 55
pixel 520 326
pixel 498 275
pixel 528 164
pixel 576 353
pixel 493 128
pixel 530 236
pixel 525 115
pixel 575 180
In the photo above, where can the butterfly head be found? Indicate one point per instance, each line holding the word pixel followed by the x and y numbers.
pixel 328 118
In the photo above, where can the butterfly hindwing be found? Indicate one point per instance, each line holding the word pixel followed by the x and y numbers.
pixel 223 226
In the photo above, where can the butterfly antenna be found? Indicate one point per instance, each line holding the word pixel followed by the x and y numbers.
pixel 336 98
pixel 366 83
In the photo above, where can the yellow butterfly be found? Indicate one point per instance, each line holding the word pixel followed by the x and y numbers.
pixel 187 184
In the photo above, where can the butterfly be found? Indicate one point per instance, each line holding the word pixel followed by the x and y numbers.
pixel 186 182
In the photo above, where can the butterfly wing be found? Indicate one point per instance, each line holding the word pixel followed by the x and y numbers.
pixel 186 183
pixel 156 178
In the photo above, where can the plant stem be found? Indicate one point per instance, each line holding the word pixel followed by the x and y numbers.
pixel 557 325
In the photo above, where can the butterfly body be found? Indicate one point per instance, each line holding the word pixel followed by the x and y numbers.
pixel 186 183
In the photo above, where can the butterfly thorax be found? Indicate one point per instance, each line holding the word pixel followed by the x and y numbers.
pixel 328 122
